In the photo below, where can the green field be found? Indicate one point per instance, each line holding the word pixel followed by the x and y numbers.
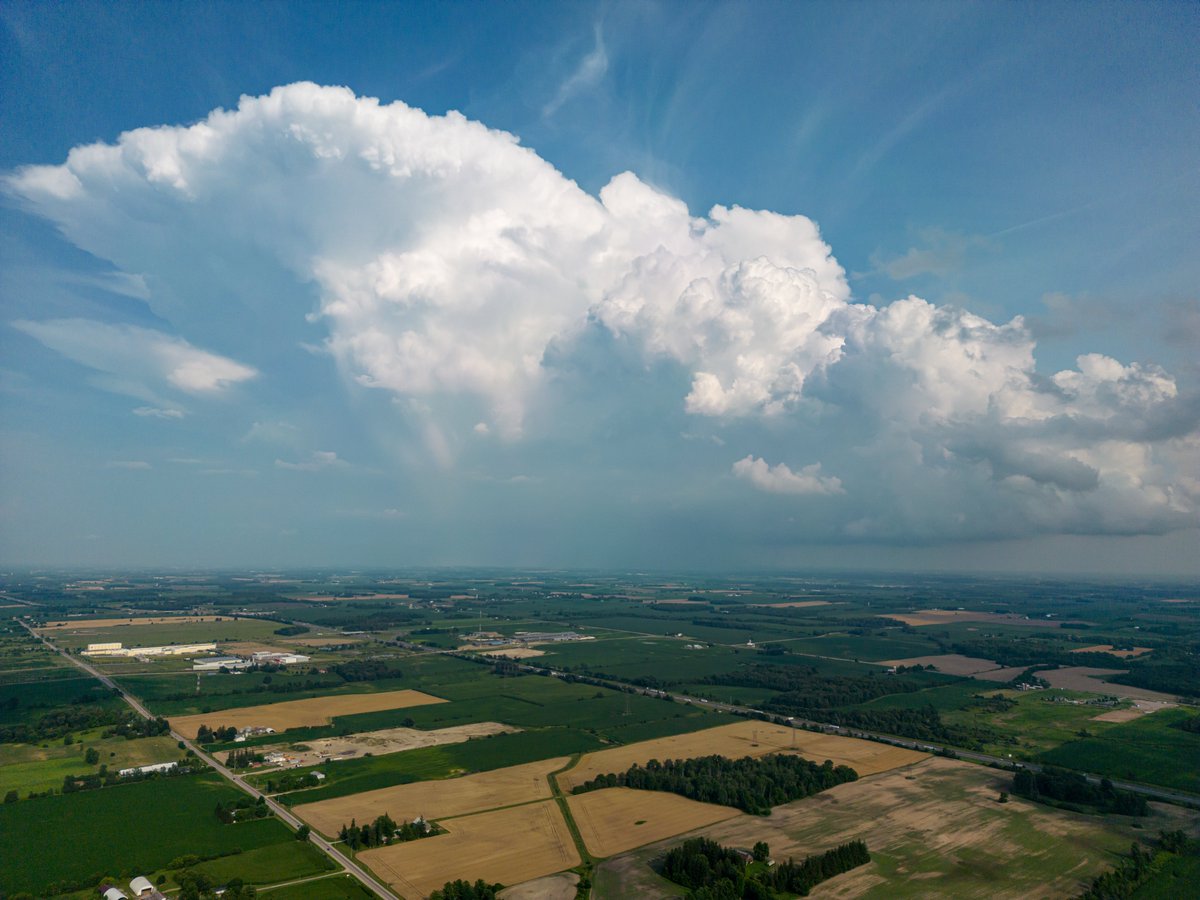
pixel 336 887
pixel 168 633
pixel 268 865
pixel 25 702
pixel 1147 749
pixel 130 830
pixel 1037 723
pixel 37 768
pixel 895 645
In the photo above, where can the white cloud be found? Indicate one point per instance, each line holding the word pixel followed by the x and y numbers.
pixel 448 266
pixel 592 68
pixel 132 465
pixel 779 479
pixel 317 461
pixel 156 412
pixel 138 361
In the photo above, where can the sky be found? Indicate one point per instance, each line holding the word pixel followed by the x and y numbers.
pixel 712 286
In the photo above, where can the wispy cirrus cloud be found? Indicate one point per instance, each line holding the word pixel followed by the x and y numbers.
pixel 135 360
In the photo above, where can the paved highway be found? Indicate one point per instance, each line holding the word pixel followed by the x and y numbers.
pixel 236 780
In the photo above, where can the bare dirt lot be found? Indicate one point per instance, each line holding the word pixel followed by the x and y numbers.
pixel 947 616
pixel 379 743
pixel 301 713
pixel 949 663
pixel 615 820
pixel 551 887
pixel 1084 678
pixel 1108 648
pixel 1140 708
pixel 743 739
pixel 934 830
pixel 320 641
pixel 436 799
pixel 515 653
pixel 507 846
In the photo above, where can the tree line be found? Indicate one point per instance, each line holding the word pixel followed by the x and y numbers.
pixel 713 872
pixel 751 784
pixel 1139 867
pixel 465 890
pixel 804 687
pixel 1074 790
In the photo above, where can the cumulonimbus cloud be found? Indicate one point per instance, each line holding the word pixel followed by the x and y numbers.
pixel 443 259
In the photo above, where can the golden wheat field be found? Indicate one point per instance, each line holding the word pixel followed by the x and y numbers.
pixel 614 820
pixel 507 846
pixel 747 738
pixel 435 799
pixel 301 713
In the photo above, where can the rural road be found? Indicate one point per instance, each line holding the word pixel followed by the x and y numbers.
pixel 237 781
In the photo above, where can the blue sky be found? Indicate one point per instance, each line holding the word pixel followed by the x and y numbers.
pixel 762 285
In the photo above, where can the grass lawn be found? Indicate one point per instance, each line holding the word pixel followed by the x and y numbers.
pixel 336 887
pixel 33 767
pixel 268 865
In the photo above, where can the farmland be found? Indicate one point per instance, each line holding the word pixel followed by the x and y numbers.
pixel 301 713
pixel 934 830
pixel 480 846
pixel 615 820
pixel 436 799
pixel 815 648
pixel 128 832
pixel 744 739
pixel 36 768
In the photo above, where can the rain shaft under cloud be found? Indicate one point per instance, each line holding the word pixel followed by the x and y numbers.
pixel 441 262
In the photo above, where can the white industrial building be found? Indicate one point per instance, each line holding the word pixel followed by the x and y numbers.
pixel 214 663
pixel 153 767
pixel 169 650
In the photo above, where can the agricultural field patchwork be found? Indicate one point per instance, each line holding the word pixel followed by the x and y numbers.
pixel 506 846
pixel 746 738
pixel 436 799
pixel 934 830
pixel 301 713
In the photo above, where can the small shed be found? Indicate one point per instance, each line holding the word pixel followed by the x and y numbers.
pixel 141 885
pixel 115 894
